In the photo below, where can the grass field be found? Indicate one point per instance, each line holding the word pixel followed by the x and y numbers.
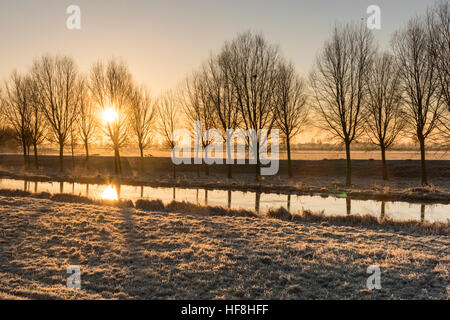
pixel 126 253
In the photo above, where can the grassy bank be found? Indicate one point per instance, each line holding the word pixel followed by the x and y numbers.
pixel 128 253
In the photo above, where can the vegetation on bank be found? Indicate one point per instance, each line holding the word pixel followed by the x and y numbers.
pixel 437 228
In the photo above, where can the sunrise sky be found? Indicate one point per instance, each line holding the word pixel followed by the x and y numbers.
pixel 163 41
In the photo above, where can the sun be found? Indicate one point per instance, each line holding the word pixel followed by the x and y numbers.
pixel 110 193
pixel 109 115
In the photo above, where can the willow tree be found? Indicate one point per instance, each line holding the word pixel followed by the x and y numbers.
pixel 418 71
pixel 56 80
pixel 111 88
pixel 339 84
pixel 385 119
pixel 291 112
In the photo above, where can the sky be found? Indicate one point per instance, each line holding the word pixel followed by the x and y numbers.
pixel 163 41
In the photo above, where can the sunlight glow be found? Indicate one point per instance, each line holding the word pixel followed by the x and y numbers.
pixel 109 115
pixel 110 193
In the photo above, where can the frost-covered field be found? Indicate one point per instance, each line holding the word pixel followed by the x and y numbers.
pixel 128 254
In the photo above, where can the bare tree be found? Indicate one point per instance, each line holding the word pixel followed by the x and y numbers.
pixel 56 79
pixel 169 119
pixel 222 95
pixel 38 123
pixel 420 84
pixel 197 105
pixel 17 110
pixel 252 66
pixel 385 119
pixel 142 118
pixel 339 83
pixel 438 26
pixel 87 122
pixel 291 110
pixel 111 87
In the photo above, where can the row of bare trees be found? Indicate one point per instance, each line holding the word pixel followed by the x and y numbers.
pixel 360 92
pixel 55 102
pixel 354 92
pixel 249 86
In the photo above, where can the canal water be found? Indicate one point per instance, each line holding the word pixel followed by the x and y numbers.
pixel 260 202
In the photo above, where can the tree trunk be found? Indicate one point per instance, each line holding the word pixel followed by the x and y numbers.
pixel 141 149
pixel 36 161
pixel 348 181
pixel 174 171
pixel 288 147
pixel 73 155
pixel 206 169
pixel 229 172
pixel 28 155
pixel 86 148
pixel 423 162
pixel 257 201
pixel 258 164
pixel 25 157
pixel 383 162
pixel 118 165
pixel 61 157
pixel 348 204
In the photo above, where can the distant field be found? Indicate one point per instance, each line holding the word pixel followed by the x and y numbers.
pixel 296 154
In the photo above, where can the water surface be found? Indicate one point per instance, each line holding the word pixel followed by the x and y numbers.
pixel 260 202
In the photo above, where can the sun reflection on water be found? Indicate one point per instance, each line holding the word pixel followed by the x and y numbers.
pixel 110 193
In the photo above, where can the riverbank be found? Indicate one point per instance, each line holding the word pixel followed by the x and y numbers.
pixel 125 253
pixel 322 177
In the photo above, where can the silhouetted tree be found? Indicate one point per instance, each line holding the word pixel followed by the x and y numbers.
pixel 38 123
pixel 17 107
pixel 56 79
pixel 420 83
pixel 291 111
pixel 438 26
pixel 87 121
pixel 252 66
pixel 111 87
pixel 169 119
pixel 339 83
pixel 222 94
pixel 198 105
pixel 142 118
pixel 385 119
